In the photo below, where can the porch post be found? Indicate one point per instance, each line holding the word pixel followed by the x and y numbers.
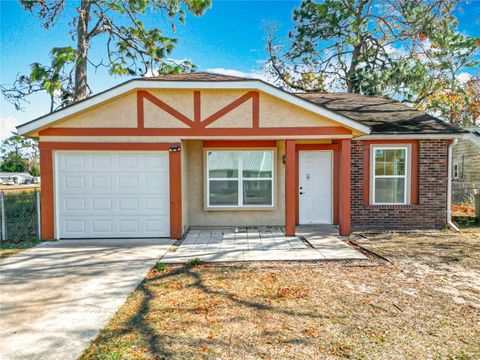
pixel 175 174
pixel 345 179
pixel 290 187
pixel 46 185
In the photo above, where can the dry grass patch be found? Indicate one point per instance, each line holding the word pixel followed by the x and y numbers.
pixel 302 310
pixel 8 248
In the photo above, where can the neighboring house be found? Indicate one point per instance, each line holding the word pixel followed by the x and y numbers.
pixel 154 156
pixel 16 178
pixel 466 166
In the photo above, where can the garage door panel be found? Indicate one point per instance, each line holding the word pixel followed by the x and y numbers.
pixel 98 197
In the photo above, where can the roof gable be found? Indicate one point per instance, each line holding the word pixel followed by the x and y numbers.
pixel 147 83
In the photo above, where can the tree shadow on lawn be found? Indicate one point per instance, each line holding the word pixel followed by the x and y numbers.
pixel 156 343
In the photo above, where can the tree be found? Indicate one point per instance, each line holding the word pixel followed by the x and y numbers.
pixel 404 49
pixel 459 105
pixel 131 48
pixel 20 154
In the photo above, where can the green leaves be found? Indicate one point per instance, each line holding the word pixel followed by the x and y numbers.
pixel 19 154
pixel 129 47
pixel 397 48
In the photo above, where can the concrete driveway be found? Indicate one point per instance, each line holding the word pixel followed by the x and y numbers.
pixel 56 297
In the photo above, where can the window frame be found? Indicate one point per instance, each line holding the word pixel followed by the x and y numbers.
pixel 240 179
pixel 456 171
pixel 406 176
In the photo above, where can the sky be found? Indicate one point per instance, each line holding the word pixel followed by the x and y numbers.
pixel 229 38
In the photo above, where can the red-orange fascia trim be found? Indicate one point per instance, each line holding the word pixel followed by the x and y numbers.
pixel 105 146
pixel 239 143
pixel 290 187
pixel 47 208
pixel 197 108
pixel 175 176
pixel 292 131
pixel 345 187
pixel 414 193
pixel 332 147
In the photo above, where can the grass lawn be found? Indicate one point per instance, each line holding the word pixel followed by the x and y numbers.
pixel 425 304
pixel 8 248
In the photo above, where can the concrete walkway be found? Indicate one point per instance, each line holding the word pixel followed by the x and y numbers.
pixel 56 297
pixel 261 243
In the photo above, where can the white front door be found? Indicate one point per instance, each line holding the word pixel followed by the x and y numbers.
pixel 112 194
pixel 315 187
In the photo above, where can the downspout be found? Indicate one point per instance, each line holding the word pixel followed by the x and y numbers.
pixel 449 187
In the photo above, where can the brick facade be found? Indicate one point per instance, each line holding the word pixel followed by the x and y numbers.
pixel 430 212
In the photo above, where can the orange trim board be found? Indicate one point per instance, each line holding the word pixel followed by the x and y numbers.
pixel 46 173
pixel 239 143
pixel 47 208
pixel 290 187
pixel 105 146
pixel 345 187
pixel 175 176
pixel 325 130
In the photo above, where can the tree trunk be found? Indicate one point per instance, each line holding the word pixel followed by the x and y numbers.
pixel 82 51
pixel 353 67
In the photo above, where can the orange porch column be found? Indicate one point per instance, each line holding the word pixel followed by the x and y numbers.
pixel 47 208
pixel 175 161
pixel 345 188
pixel 290 187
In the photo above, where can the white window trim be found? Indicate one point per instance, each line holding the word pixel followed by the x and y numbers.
pixel 405 177
pixel 239 180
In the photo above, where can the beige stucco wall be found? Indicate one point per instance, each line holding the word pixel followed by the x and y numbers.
pixel 240 117
pixel 180 99
pixel 197 214
pixel 120 112
pixel 279 113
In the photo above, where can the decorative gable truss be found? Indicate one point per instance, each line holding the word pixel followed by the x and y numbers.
pixel 189 113
pixel 197 122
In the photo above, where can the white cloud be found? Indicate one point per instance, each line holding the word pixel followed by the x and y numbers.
pixel 252 74
pixel 464 77
pixel 7 126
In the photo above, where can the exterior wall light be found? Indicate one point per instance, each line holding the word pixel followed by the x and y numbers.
pixel 175 148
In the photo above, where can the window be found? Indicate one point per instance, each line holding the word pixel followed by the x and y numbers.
pixel 390 175
pixel 455 171
pixel 240 178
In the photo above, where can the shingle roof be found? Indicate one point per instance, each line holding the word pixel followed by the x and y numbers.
pixel 382 115
pixel 196 76
pixel 473 130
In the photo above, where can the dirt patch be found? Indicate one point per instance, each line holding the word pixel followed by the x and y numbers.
pixel 451 259
pixel 407 309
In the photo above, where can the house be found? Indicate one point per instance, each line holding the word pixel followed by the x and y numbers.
pixel 154 156
pixel 466 166
pixel 16 178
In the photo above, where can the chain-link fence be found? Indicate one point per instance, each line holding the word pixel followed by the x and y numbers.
pixel 464 195
pixel 20 216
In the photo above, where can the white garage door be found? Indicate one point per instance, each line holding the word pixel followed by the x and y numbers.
pixel 112 194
